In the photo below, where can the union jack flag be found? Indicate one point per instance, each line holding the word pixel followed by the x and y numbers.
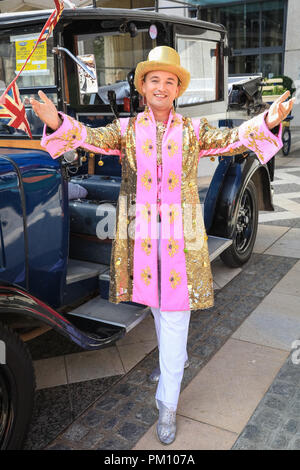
pixel 12 111
pixel 52 21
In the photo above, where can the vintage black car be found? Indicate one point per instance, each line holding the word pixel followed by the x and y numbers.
pixel 54 269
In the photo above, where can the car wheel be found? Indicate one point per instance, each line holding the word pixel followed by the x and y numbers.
pixel 286 140
pixel 245 229
pixel 17 384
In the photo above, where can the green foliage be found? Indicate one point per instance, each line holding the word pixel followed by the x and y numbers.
pixel 287 84
pixel 276 90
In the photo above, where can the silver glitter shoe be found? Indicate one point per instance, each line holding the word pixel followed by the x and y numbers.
pixel 166 426
pixel 155 374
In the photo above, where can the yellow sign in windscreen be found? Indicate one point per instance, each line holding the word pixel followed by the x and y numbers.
pixel 38 60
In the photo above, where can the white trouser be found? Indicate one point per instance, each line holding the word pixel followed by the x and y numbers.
pixel 172 332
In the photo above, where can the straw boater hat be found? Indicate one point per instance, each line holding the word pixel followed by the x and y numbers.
pixel 162 58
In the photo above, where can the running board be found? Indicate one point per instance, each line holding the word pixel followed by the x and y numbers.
pixel 81 270
pixel 216 246
pixel 123 315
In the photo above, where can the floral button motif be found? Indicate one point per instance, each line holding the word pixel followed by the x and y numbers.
pixel 147 245
pixel 144 121
pixel 148 147
pixel 146 275
pixel 147 180
pixel 175 121
pixel 146 211
pixel 172 247
pixel 174 278
pixel 173 212
pixel 172 180
pixel 172 147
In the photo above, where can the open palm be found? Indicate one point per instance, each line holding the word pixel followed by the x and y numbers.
pixel 279 110
pixel 46 111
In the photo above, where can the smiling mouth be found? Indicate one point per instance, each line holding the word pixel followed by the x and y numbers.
pixel 158 95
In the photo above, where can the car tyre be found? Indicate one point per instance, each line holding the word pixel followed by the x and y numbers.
pixel 286 140
pixel 245 231
pixel 17 385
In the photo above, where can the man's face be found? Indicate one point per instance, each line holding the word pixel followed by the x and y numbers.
pixel 160 89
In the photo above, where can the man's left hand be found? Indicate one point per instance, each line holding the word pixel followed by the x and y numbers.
pixel 279 110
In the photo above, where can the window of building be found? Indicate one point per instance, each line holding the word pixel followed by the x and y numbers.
pixel 256 34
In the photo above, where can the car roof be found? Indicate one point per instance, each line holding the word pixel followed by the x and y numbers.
pixel 39 16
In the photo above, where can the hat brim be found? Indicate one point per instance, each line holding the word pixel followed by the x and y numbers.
pixel 149 66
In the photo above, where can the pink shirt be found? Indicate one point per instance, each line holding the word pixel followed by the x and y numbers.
pixel 159 178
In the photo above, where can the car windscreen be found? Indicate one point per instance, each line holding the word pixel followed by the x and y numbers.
pixel 111 56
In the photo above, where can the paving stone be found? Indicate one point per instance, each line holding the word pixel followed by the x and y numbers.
pixel 244 444
pixel 138 377
pixel 76 432
pixel 91 439
pixel 275 402
pixel 222 330
pixel 82 394
pixel 292 426
pixel 126 408
pixel 268 419
pixel 295 445
pixel 280 441
pixel 110 424
pixel 204 350
pixel 131 431
pixel 291 374
pixel 147 414
pixel 253 434
pixel 295 409
pixel 92 418
pixel 287 188
pixel 125 389
pixel 107 403
pixel 59 446
pixel 283 389
pixel 113 443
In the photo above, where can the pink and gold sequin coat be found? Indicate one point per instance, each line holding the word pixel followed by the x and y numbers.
pixel 186 279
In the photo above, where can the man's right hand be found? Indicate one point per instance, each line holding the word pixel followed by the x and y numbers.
pixel 46 111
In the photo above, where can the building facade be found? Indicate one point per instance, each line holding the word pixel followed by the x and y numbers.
pixel 264 36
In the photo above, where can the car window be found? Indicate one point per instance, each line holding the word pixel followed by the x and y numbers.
pixel 112 56
pixel 200 57
pixel 36 125
pixel 38 73
pixel 14 49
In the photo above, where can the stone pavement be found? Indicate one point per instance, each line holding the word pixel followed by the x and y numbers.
pixel 241 389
